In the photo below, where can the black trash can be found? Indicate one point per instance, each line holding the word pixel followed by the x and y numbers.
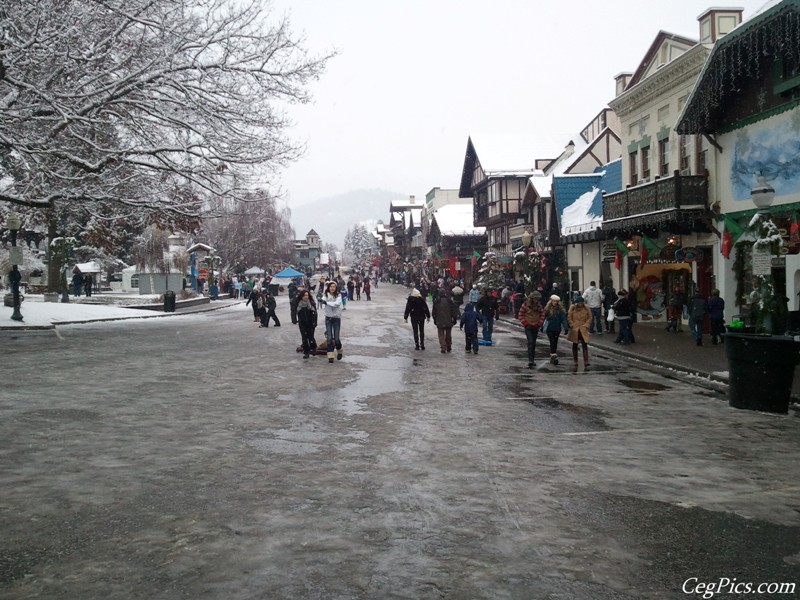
pixel 761 371
pixel 169 301
pixel 274 289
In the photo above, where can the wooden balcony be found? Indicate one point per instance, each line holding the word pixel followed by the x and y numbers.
pixel 652 204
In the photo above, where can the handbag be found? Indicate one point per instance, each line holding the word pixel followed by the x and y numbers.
pixel 610 315
pixel 544 325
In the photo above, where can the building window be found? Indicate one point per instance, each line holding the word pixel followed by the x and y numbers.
pixel 632 163
pixel 663 157
pixel 701 154
pixel 685 157
pixel 646 164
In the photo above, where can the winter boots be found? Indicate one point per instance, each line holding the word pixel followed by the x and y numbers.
pixel 330 357
pixel 554 359
pixel 585 357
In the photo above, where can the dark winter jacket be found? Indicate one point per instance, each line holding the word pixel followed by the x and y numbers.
pixel 271 304
pixel 716 308
pixel 555 321
pixel 622 308
pixel 445 312
pixel 488 307
pixel 609 296
pixel 417 308
pixel 306 315
pixel 293 308
pixel 698 308
pixel 470 319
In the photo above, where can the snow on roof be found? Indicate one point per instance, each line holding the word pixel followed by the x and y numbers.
pixel 578 217
pixel 513 152
pixel 412 216
pixel 456 219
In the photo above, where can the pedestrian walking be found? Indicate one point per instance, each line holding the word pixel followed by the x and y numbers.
pixel 474 294
pixel 609 298
pixel 304 315
pixel 622 313
pixel 445 316
pixel 531 315
pixel 458 295
pixel 593 298
pixel 716 315
pixel 351 286
pixel 580 317
pixel 489 309
pixel 270 304
pixel 698 309
pixel 469 324
pixel 417 309
pixel 358 288
pixel 253 300
pixel 88 282
pixel 333 303
pixel 677 301
pixel 555 320
pixel 368 290
pixel 77 281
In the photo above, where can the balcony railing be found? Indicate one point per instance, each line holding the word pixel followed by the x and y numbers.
pixel 678 191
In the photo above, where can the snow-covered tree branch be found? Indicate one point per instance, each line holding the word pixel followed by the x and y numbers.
pixel 153 105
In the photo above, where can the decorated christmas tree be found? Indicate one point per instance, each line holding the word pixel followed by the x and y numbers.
pixel 490 275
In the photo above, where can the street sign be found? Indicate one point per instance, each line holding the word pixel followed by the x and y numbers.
pixel 762 261
pixel 15 255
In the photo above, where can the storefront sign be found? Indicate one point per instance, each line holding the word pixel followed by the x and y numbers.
pixel 762 261
pixel 689 254
pixel 203 274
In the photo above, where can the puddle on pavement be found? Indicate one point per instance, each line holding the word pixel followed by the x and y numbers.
pixel 643 386
pixel 554 416
pixel 384 375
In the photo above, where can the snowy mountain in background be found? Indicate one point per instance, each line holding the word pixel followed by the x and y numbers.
pixel 331 217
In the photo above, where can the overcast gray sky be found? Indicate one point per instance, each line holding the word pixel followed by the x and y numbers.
pixel 415 77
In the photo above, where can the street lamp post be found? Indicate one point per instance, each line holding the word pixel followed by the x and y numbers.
pixel 13 223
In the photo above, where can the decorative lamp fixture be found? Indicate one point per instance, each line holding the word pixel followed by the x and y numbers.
pixel 763 194
pixel 527 238
pixel 13 222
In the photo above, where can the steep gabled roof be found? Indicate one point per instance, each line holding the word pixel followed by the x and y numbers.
pixel 652 54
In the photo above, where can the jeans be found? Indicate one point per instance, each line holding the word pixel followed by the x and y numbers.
pixel 696 327
pixel 488 327
pixel 531 333
pixel 624 331
pixel 597 320
pixel 553 336
pixel 307 337
pixel 472 340
pixel 418 327
pixel 445 338
pixel 332 326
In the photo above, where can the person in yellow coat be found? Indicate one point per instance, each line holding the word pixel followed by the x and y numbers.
pixel 579 318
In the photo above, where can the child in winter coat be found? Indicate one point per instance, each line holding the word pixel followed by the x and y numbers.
pixel 469 323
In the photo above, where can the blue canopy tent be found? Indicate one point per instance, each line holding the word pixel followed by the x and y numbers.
pixel 288 273
pixel 283 279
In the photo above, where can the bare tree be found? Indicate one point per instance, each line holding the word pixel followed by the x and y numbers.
pixel 154 105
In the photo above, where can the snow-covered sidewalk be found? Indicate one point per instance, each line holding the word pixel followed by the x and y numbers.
pixel 49 314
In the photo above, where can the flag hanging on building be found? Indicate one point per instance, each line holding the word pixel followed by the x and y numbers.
pixel 733 231
pixel 648 247
pixel 622 251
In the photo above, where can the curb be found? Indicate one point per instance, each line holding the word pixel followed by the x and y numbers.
pixel 152 315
